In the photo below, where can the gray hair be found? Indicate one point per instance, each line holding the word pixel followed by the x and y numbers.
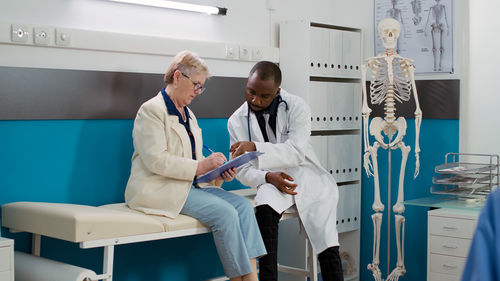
pixel 188 63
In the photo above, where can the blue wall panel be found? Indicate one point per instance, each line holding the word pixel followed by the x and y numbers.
pixel 88 162
pixel 85 162
pixel 437 137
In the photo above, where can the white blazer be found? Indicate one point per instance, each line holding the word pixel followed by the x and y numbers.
pixel 162 166
pixel 293 154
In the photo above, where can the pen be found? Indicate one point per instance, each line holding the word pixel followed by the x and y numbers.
pixel 211 151
pixel 208 148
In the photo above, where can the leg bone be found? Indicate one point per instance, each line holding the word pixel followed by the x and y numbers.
pixel 377 223
pixel 399 207
pixel 400 269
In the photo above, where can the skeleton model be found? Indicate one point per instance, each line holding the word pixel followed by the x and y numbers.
pixel 392 80
pixel 438 21
pixel 396 14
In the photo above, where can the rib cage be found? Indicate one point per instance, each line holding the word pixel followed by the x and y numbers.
pixel 379 85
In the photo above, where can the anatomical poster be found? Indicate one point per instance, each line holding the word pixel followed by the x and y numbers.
pixel 426 32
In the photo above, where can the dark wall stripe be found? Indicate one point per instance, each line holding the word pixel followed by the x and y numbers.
pixel 36 93
pixel 335 132
pixel 438 99
pixel 314 24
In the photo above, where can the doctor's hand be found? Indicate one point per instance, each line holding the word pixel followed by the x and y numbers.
pixel 281 181
pixel 241 147
pixel 211 162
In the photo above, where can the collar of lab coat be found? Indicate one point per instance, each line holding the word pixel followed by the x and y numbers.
pixel 282 119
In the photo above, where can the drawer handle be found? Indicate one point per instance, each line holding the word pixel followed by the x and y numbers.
pixel 449 266
pixel 449 227
pixel 449 247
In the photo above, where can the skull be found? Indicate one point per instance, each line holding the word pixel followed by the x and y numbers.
pixel 388 30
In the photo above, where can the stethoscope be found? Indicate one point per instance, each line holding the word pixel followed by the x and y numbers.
pixel 280 100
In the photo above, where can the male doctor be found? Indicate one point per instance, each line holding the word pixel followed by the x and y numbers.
pixel 288 176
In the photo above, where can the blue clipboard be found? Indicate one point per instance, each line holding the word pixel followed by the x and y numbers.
pixel 233 163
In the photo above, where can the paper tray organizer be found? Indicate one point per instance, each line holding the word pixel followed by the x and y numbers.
pixel 467 175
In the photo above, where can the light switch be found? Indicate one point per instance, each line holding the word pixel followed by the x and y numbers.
pixel 245 53
pixel 232 51
pixel 63 37
pixel 257 53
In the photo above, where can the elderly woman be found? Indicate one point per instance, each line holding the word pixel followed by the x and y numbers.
pixel 168 157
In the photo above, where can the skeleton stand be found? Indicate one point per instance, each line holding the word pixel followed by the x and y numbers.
pixel 389 210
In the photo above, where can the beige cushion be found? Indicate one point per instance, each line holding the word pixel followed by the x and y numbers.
pixel 76 223
pixel 180 223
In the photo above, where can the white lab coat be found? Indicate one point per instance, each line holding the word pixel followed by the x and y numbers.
pixel 317 197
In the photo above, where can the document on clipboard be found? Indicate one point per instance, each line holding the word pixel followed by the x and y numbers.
pixel 233 163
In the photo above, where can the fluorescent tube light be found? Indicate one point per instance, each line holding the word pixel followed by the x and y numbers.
pixel 178 6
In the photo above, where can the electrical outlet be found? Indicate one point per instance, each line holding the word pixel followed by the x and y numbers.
pixel 20 33
pixel 63 37
pixel 257 53
pixel 231 51
pixel 42 35
pixel 245 52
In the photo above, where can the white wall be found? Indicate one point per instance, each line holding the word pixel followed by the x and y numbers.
pixel 481 111
pixel 247 23
pixel 256 23
pixel 240 25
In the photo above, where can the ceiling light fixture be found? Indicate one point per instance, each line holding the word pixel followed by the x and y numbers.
pixel 211 10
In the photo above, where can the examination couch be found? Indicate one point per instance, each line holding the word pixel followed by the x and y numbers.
pixel 107 226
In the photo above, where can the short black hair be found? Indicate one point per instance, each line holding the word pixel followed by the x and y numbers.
pixel 267 70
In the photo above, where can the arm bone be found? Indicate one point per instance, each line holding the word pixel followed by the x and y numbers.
pixel 418 119
pixel 365 110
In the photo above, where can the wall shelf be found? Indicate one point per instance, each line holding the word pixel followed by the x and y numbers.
pixel 321 63
pixel 446 202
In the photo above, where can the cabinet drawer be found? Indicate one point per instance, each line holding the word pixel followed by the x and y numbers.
pixel 449 246
pixel 451 227
pixel 5 258
pixel 446 264
pixel 443 277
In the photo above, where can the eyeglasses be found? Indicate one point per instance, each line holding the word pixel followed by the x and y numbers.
pixel 196 86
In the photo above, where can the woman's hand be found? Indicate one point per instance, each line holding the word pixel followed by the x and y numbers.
pixel 211 162
pixel 228 175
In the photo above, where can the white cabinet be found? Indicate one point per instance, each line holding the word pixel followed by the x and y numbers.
pixel 335 105
pixel 6 259
pixel 348 207
pixel 450 233
pixel 322 64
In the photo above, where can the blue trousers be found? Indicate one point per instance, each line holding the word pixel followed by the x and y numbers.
pixel 232 221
